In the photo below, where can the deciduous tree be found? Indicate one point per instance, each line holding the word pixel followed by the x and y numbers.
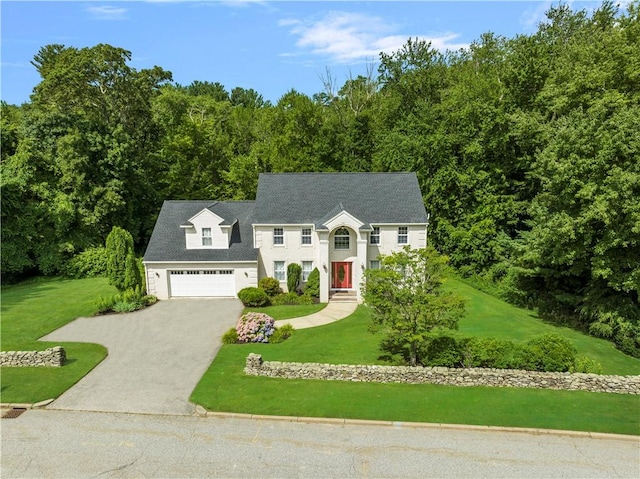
pixel 407 300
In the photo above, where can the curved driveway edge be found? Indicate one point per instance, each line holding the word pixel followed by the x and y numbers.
pixel 156 355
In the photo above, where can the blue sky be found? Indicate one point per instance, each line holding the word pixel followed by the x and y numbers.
pixel 270 46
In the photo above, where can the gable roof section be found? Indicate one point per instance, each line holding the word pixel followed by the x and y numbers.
pixel 308 198
pixel 167 242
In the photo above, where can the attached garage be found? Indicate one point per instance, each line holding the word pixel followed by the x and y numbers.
pixel 202 283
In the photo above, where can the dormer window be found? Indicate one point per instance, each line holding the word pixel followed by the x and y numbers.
pixel 206 237
pixel 341 239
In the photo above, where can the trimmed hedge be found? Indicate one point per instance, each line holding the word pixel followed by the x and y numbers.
pixel 291 298
pixel 253 297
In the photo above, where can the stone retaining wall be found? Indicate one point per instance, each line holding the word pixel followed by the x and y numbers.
pixel 50 357
pixel 444 376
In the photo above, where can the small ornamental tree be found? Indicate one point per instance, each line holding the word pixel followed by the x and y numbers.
pixel 132 279
pixel 407 301
pixel 119 245
pixel 312 287
pixel 294 271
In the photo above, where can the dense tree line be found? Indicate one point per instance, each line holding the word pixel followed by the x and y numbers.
pixel 527 150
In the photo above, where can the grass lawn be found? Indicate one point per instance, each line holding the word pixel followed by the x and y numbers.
pixel 288 311
pixel 33 309
pixel 225 387
pixel 488 316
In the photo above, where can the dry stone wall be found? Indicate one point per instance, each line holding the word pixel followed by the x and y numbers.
pixel 55 356
pixel 255 366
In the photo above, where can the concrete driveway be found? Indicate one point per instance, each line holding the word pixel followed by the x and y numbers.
pixel 156 356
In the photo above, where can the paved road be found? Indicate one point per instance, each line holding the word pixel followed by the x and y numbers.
pixel 46 443
pixel 156 356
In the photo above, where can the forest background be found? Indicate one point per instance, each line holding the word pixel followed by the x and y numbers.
pixel 527 151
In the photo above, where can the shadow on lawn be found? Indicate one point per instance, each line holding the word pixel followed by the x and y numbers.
pixel 15 294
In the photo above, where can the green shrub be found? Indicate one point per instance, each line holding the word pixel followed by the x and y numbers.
pixel 125 306
pixel 91 263
pixel 312 288
pixel 547 352
pixel 143 275
pixel 270 285
pixel 280 334
pixel 104 305
pixel 125 302
pixel 294 271
pixel 230 337
pixel 583 364
pixel 491 353
pixel 440 350
pixel 253 297
pixel 119 245
pixel 291 298
pixel 149 299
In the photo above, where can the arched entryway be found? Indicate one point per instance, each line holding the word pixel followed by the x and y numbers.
pixel 342 255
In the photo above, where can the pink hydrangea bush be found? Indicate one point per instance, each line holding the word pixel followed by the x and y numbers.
pixel 255 328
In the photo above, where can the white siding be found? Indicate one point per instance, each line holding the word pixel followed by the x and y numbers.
pixel 293 251
pixel 158 279
pixel 389 240
pixel 219 234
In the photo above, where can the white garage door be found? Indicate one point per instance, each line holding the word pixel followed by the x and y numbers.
pixel 202 282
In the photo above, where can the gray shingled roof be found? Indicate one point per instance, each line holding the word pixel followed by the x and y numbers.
pixel 307 198
pixel 290 198
pixel 167 241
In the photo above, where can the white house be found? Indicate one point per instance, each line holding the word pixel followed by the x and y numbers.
pixel 339 223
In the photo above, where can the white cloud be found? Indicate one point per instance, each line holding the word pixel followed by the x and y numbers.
pixel 350 37
pixel 106 12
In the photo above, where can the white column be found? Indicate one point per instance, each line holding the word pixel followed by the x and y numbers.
pixel 359 265
pixel 324 266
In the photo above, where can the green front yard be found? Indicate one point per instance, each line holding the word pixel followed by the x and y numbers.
pixel 33 309
pixel 225 387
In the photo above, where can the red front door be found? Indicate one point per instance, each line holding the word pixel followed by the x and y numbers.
pixel 341 275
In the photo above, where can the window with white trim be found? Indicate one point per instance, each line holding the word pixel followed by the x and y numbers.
pixel 403 235
pixel 206 237
pixel 279 272
pixel 278 236
pixel 374 237
pixel 306 235
pixel 341 238
pixel 307 267
pixel 374 264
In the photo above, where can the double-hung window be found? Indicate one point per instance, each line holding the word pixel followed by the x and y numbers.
pixel 279 272
pixel 374 264
pixel 307 267
pixel 374 237
pixel 403 235
pixel 306 235
pixel 341 239
pixel 206 237
pixel 278 236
